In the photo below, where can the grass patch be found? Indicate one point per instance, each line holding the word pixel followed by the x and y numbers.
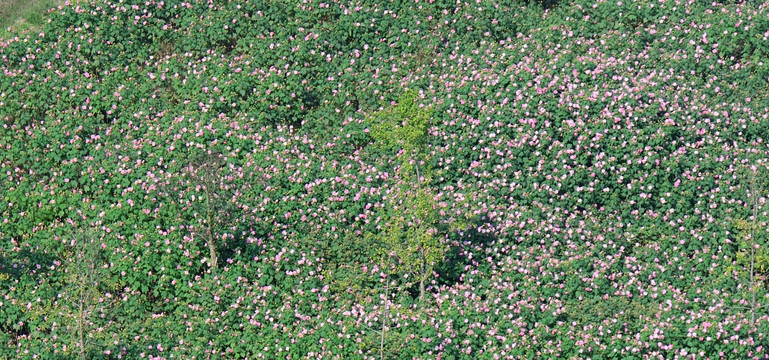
pixel 20 15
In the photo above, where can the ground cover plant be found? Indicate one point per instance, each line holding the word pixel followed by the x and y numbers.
pixel 17 15
pixel 379 180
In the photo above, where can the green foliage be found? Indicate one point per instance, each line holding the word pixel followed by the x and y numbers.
pixel 24 15
pixel 411 235
pixel 284 179
pixel 751 262
pixel 410 242
pixel 207 187
pixel 80 318
pixel 403 127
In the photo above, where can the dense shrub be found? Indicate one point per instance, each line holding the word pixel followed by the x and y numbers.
pixel 216 179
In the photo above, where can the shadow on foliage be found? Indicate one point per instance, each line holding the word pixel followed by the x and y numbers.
pixel 545 4
pixel 456 260
pixel 16 264
pixel 19 267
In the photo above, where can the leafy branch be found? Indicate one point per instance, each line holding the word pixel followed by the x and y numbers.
pixel 82 301
pixel 752 259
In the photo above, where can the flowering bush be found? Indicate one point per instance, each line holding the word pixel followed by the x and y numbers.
pixel 223 159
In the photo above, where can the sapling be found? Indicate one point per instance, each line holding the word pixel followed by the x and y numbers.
pixel 410 234
pixel 82 303
pixel 204 174
pixel 757 257
pixel 752 259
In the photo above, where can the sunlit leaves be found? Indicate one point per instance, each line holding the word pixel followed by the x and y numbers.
pixel 534 162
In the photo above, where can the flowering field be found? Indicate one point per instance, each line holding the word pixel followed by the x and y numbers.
pixel 407 179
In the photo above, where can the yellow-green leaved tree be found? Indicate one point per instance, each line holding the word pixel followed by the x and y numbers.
pixel 411 236
pixel 753 255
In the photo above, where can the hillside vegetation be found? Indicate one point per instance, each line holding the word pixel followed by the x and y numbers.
pixel 404 179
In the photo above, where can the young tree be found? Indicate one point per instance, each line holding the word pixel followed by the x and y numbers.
pixel 82 303
pixel 413 231
pixel 409 240
pixel 753 255
pixel 410 235
pixel 204 176
pixel 751 265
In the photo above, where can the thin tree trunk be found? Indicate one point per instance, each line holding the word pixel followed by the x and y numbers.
pixel 422 270
pixel 81 325
pixel 213 258
pixel 212 254
pixel 384 318
pixel 422 281
pixel 752 243
pixel 752 288
pixel 85 274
